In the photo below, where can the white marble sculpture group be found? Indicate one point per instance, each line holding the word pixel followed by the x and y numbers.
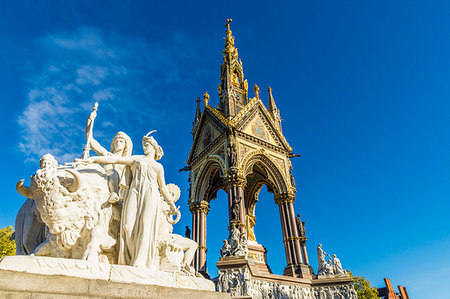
pixel 236 245
pixel 114 208
pixel 239 283
pixel 332 267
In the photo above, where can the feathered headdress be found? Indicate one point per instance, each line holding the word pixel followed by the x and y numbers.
pixel 158 150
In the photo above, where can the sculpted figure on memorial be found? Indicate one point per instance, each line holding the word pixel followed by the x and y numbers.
pixel 291 176
pixel 242 246
pixel 232 154
pixel 332 267
pixel 144 184
pixel 250 221
pixel 187 232
pixel 175 252
pixel 121 146
pixel 30 230
pixel 321 260
pixel 325 268
pixel 236 209
pixel 300 226
pixel 225 250
pixel 235 235
pixel 261 289
pixel 337 266
pixel 234 281
pixel 236 245
pixel 71 202
pixel 345 291
pixel 328 268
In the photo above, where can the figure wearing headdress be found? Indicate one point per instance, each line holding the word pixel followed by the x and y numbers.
pixel 146 187
pixel 121 146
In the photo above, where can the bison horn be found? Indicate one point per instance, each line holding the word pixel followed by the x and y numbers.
pixel 25 191
pixel 76 180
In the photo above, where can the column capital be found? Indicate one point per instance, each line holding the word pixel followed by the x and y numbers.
pixel 234 178
pixel 202 207
pixel 284 198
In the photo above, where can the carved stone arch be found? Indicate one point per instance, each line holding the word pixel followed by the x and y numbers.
pixel 219 160
pixel 275 179
pixel 209 180
pixel 252 197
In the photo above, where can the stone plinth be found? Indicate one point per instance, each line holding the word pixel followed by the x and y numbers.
pixel 44 277
pixel 259 254
pixel 242 278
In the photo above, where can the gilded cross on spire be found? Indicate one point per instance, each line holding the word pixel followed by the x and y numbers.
pixel 228 24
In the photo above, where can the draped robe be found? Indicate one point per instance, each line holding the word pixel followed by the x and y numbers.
pixel 139 223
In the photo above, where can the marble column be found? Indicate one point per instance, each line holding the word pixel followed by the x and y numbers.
pixel 199 211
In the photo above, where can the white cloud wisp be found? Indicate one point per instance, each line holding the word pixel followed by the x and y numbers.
pixel 131 79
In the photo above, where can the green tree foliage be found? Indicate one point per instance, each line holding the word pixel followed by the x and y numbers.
pixel 7 246
pixel 363 288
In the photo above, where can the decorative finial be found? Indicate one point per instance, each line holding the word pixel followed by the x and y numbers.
pixel 256 90
pixel 269 90
pixel 227 25
pixel 206 98
pixel 198 100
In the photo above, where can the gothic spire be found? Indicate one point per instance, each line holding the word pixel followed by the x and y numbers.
pixel 198 114
pixel 272 106
pixel 233 89
pixel 273 110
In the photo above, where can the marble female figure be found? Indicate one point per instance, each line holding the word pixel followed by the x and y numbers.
pixel 139 223
pixel 121 146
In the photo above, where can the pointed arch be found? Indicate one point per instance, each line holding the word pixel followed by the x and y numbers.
pixel 274 178
pixel 209 180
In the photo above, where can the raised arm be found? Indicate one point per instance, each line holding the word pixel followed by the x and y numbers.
pixel 109 160
pixel 97 148
pixel 164 191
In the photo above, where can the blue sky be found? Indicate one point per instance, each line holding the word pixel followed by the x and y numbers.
pixel 363 88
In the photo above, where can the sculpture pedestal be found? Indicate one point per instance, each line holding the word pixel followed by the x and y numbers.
pixel 240 277
pixel 45 277
pixel 259 254
pixel 301 271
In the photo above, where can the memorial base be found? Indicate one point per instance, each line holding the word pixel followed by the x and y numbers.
pixel 44 277
pixel 240 277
